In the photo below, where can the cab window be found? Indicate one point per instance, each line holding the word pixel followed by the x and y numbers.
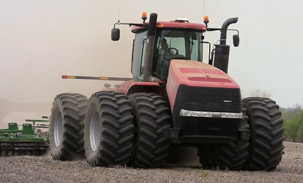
pixel 139 48
pixel 175 44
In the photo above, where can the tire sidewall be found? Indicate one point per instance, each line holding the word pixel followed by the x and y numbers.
pixel 251 116
pixel 57 108
pixel 92 109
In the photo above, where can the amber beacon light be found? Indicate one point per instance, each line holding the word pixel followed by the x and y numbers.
pixel 144 16
pixel 206 19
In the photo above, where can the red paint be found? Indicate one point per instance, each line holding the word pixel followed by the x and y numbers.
pixel 190 70
pixel 127 85
pixel 212 71
pixel 177 25
pixel 211 77
pixel 181 25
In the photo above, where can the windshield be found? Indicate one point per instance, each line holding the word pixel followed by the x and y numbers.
pixel 175 44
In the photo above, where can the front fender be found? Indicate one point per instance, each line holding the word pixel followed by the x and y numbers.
pixel 131 87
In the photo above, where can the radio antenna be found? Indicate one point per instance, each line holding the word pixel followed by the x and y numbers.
pixel 118 2
pixel 204 7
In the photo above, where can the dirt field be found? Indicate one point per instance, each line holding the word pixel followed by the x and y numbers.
pixel 44 169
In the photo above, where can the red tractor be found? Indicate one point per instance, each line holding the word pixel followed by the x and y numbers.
pixel 174 99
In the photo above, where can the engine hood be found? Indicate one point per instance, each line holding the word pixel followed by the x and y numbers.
pixel 195 74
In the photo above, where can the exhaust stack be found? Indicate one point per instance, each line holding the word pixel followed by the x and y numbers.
pixel 147 70
pixel 222 50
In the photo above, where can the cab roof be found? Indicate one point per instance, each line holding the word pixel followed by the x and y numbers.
pixel 172 25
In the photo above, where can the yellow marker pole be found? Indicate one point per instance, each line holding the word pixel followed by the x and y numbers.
pixel 96 78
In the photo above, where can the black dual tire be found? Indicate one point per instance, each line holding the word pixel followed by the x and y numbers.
pixel 66 126
pixel 152 116
pixel 109 129
pixel 231 155
pixel 266 140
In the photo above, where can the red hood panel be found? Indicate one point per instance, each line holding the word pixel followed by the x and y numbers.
pixel 193 73
pixel 196 74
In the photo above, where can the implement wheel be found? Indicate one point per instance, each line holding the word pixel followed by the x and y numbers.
pixel 66 126
pixel 266 140
pixel 152 117
pixel 109 129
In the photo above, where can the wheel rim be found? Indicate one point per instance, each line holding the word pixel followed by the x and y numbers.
pixel 58 130
pixel 95 132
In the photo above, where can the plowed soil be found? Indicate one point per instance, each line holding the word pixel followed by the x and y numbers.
pixel 44 169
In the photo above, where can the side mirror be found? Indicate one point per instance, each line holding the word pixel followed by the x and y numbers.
pixel 236 40
pixel 115 34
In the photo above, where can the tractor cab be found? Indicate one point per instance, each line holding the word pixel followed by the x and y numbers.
pixel 156 43
pixel 172 40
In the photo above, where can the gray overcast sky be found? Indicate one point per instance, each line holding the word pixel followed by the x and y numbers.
pixel 41 40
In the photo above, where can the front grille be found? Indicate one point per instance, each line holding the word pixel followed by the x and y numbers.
pixel 207 99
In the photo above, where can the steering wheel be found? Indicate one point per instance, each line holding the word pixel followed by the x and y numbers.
pixel 169 52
